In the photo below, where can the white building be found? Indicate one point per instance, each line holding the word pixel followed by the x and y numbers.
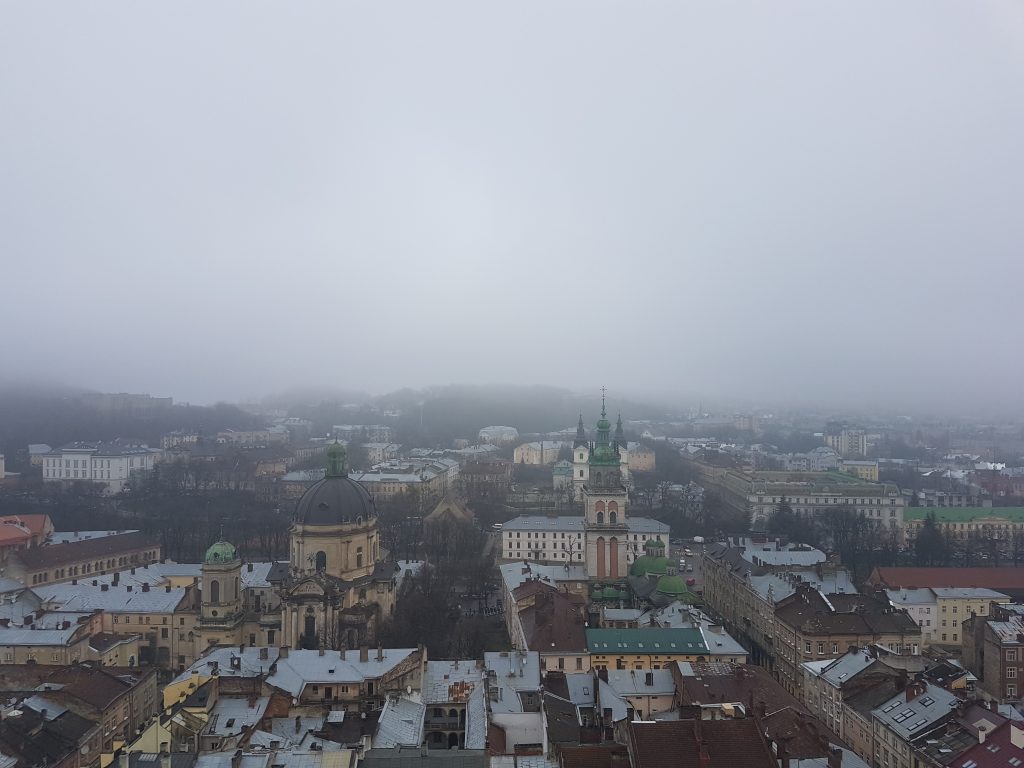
pixel 560 540
pixel 111 465
pixel 538 453
pixel 498 435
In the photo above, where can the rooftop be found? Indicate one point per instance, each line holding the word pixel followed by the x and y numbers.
pixel 653 641
pixel 306 667
pixel 964 514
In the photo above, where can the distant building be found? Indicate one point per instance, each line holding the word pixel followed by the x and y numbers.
pixel 380 452
pixel 498 435
pixel 865 470
pixel 37 452
pixel 371 433
pixel 847 442
pixel 964 522
pixel 109 465
pixel 538 453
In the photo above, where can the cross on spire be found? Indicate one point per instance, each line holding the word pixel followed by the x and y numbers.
pixel 603 391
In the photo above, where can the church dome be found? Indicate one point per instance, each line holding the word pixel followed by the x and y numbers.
pixel 672 585
pixel 336 499
pixel 649 565
pixel 220 552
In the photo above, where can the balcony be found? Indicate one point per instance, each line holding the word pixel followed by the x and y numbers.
pixel 444 724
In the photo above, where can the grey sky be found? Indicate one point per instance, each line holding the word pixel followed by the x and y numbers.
pixel 769 200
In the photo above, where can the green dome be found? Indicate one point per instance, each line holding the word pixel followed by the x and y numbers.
pixel 221 552
pixel 672 585
pixel 648 564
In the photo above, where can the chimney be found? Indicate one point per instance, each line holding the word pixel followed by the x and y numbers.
pixel 236 759
pixel 298 723
pixel 145 587
pixel 320 652
pixel 105 588
pixel 122 759
pixel 284 652
pixel 133 571
pixel 128 587
pixel 913 691
pixel 167 588
pixel 165 759
pixel 364 653
pixel 982 733
pixel 264 653
pixel 835 758
pixel 74 582
pixel 380 652
pixel 249 567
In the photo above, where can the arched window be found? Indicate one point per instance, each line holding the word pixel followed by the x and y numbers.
pixel 613 518
pixel 600 518
pixel 214 591
pixel 321 560
pixel 359 560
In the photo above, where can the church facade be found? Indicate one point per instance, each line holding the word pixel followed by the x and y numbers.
pixel 333 592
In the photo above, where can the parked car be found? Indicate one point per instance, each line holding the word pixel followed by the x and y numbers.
pixel 690 582
pixel 689 569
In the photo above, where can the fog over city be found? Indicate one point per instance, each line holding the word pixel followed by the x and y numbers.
pixel 814 203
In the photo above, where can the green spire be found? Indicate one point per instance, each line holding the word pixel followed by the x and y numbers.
pixel 336 464
pixel 604 452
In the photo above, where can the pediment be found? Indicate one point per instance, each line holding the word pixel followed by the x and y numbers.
pixel 307 587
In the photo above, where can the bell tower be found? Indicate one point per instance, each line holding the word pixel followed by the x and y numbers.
pixel 220 618
pixel 604 502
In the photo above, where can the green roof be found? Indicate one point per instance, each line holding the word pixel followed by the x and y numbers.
pixel 220 552
pixel 653 641
pixel 964 514
pixel 672 585
pixel 646 564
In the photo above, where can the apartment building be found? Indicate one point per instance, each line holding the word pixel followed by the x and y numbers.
pixel 812 626
pixel 993 649
pixel 941 611
pixel 110 466
pixel 964 522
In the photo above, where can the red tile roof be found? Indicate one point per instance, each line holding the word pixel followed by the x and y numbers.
pixel 999 579
pixel 699 744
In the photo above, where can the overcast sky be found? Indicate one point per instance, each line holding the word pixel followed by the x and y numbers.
pixel 787 201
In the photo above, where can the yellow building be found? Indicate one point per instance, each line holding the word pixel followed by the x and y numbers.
pixel 865 470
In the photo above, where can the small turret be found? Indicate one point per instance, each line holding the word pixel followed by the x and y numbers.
pixel 581 435
pixel 620 436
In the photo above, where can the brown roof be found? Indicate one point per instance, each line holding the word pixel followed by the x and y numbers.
pixel 843 614
pixel 52 555
pixel 98 686
pixel 554 623
pixel 607 755
pixel 699 744
pixel 722 682
pixel 802 736
pixel 999 579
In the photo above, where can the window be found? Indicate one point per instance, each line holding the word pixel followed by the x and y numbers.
pixel 1011 673
pixel 807 647
pixel 835 647
pixel 1011 691
pixel 821 649
pixel 1011 654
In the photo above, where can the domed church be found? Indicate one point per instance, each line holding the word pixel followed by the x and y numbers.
pixel 338 587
